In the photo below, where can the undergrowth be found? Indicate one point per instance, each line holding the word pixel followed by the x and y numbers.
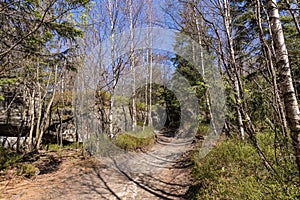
pixel 233 170
pixel 28 170
pixel 57 147
pixel 136 139
pixel 8 158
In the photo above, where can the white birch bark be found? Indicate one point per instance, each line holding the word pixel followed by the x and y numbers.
pixel 227 23
pixel 47 112
pixel 150 18
pixel 132 64
pixel 202 67
pixel 111 6
pixel 285 78
pixel 269 60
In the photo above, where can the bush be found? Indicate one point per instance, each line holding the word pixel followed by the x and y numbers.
pixel 54 147
pixel 28 170
pixel 136 140
pixel 233 170
pixel 58 148
pixel 202 130
pixel 8 158
pixel 73 145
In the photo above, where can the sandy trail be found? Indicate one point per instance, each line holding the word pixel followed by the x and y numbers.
pixel 160 173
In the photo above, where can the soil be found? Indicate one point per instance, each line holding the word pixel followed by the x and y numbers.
pixel 162 172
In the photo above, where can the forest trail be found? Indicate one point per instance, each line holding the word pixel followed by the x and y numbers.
pixel 162 172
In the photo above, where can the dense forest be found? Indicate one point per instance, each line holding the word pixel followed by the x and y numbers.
pixel 112 75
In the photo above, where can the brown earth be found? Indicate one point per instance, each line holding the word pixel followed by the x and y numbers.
pixel 162 172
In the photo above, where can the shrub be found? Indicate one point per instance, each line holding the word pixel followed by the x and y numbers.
pixel 233 170
pixel 73 145
pixel 29 170
pixel 202 129
pixel 54 147
pixel 8 158
pixel 136 140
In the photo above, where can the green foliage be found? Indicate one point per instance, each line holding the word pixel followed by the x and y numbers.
pixel 8 158
pixel 136 139
pixel 161 97
pixel 7 81
pixel 292 40
pixel 103 98
pixel 57 147
pixel 140 106
pixel 73 145
pixel 29 170
pixel 54 147
pixel 66 29
pixel 100 145
pixel 254 96
pixel 233 170
pixel 202 129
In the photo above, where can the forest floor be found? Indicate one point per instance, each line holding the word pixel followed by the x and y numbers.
pixel 161 172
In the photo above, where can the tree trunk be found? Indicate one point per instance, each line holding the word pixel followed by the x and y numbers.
pixel 146 88
pixel 150 123
pixel 32 118
pixel 207 98
pixel 269 60
pixel 285 78
pixel 43 125
pixel 112 30
pixel 234 73
pixel 132 64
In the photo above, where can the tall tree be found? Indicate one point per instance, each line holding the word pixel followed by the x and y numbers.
pixel 286 83
pixel 30 31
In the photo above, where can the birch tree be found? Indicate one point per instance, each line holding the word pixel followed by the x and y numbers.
pixel 132 62
pixel 268 52
pixel 150 13
pixel 113 9
pixel 285 78
pixel 199 25
pixel 225 9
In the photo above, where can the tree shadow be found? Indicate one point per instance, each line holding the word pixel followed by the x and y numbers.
pixel 168 132
pixel 155 186
pixel 48 164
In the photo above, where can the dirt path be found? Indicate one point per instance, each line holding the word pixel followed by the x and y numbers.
pixel 160 173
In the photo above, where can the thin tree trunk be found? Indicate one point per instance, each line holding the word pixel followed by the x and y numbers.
pixel 46 114
pixel 39 109
pixel 150 123
pixel 23 122
pixel 292 12
pixel 286 83
pixel 207 98
pixel 146 88
pixel 132 64
pixel 32 117
pixel 227 23
pixel 112 30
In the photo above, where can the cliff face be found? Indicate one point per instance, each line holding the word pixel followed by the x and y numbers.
pixel 16 117
pixel 17 113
